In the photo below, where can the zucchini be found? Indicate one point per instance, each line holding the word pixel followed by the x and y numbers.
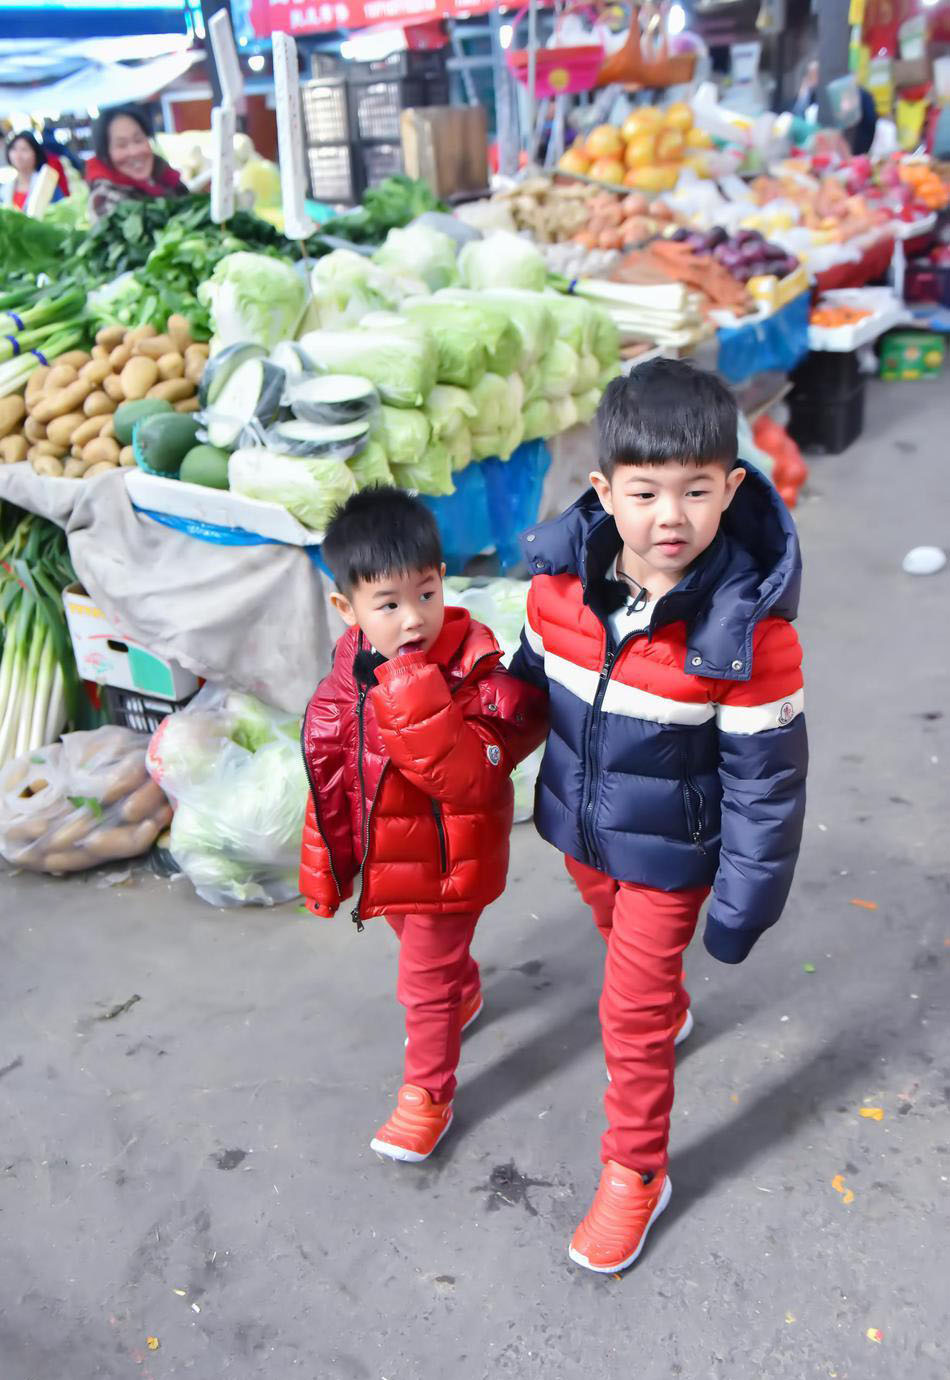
pixel 221 366
pixel 252 393
pixel 314 442
pixel 332 399
pixel 293 359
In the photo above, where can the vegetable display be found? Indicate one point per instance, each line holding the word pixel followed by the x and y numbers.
pixel 84 801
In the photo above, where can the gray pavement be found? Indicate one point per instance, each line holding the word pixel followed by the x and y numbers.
pixel 194 1166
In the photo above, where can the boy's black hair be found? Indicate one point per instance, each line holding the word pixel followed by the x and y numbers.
pixel 667 410
pixel 380 531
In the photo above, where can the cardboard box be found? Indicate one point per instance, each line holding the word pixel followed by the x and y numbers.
pixel 446 146
pixel 912 355
pixel 105 654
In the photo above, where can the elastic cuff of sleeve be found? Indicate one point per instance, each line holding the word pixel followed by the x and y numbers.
pixel 728 945
pixel 399 665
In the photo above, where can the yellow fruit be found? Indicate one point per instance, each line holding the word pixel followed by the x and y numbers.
pixel 653 179
pixel 698 139
pixel 646 117
pixel 607 170
pixel 678 116
pixel 669 146
pixel 574 161
pixel 604 142
pixel 641 151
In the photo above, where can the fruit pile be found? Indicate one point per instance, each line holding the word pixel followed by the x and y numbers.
pixel 831 316
pixel 746 255
pixel 615 223
pixel 647 153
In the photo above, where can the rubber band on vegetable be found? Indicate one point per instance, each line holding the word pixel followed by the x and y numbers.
pixel 15 343
pixel 17 320
pixel 41 357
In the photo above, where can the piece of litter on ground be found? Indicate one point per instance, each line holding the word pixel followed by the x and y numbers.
pixel 808 967
pixel 276 1190
pixel 924 560
pixel 179 1292
pixel 839 1186
pixel 790 1318
pixel 823 828
pixel 760 1189
pixel 864 905
pixel 152 1343
pixel 733 1097
pixel 544 1113
pixel 118 878
pixel 874 1334
pixel 784 1018
pixel 872 1113
pixel 195 1308
pixel 847 1197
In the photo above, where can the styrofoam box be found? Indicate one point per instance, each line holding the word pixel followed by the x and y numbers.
pixel 219 507
pixel 886 311
pixel 108 656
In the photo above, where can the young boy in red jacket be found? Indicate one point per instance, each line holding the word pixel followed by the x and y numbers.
pixel 659 622
pixel 409 745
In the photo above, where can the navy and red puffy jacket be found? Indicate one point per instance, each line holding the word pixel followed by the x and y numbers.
pixel 677 759
pixel 411 777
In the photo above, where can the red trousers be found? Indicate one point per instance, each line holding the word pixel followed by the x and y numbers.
pixel 643 999
pixel 436 974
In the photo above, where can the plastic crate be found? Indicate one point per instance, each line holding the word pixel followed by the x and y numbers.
pixel 817 424
pixel 375 106
pixel 141 713
pixel 828 376
pixel 927 282
pixel 380 161
pixel 333 176
pixel 326 118
pixel 427 65
pixel 326 65
pixel 912 355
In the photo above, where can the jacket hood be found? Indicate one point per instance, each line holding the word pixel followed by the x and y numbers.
pixel 751 571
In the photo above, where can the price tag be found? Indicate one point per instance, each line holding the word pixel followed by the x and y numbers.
pixel 297 224
pixel 223 126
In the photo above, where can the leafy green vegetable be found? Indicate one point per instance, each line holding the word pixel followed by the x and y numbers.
pixel 253 298
pixel 26 243
pixel 309 489
pixel 403 432
pixel 556 373
pixel 419 252
pixel 370 467
pixel 502 260
pixel 430 474
pixel 397 356
pixel 393 202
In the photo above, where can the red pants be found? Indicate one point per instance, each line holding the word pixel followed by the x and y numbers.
pixel 436 974
pixel 643 999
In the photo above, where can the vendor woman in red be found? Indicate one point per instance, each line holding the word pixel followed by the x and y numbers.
pixel 27 156
pixel 124 164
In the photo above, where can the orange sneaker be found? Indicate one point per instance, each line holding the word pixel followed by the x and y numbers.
pixel 613 1233
pixel 685 1027
pixel 471 1010
pixel 415 1127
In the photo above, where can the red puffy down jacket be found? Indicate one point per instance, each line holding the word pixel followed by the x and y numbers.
pixel 410 779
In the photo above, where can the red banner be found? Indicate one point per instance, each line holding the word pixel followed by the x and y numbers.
pixel 295 17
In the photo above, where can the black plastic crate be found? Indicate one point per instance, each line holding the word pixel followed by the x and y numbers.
pixel 828 375
pixel 427 65
pixel 817 424
pixel 141 713
pixel 326 65
pixel 326 116
pixel 375 106
pixel 380 161
pixel 333 173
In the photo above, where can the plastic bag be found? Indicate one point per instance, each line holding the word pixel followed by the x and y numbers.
pixel 233 767
pixel 84 801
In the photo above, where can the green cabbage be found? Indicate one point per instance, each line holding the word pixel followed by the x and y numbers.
pixel 587 404
pixel 528 313
pixel 419 252
pixel 370 467
pixel 564 413
pixel 574 320
pixel 556 373
pixel 499 426
pixel 431 474
pixel 502 260
pixel 459 334
pixel 397 356
pixel 309 489
pixel 403 433
pixel 588 372
pixel 253 298
pixel 538 420
pixel 491 322
pixel 449 410
pixel 606 341
pixel 346 286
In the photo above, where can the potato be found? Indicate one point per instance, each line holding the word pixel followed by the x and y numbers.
pixel 65 400
pixel 171 365
pixel 101 448
pixel 46 465
pixel 75 828
pixel 126 457
pixel 48 448
pixel 187 405
pixel 76 358
pixel 194 368
pixel 140 333
pixel 97 404
pixel 180 331
pixel 126 776
pixel 110 337
pixel 100 352
pixel 96 370
pixel 91 427
pixel 172 390
pixel 60 430
pixel 36 384
pixel 33 430
pixel 73 469
pixel 197 351
pixel 120 357
pixel 60 376
pixel 73 861
pixel 13 449
pixel 112 387
pixel 109 427
pixel 138 377
pixel 12 412
pixel 143 803
pixel 101 467
pixel 154 347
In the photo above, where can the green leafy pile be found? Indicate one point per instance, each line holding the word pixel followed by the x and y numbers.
pixel 390 205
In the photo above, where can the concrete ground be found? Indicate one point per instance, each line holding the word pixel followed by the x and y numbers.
pixel 187 1095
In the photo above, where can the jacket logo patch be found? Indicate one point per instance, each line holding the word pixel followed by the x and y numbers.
pixel 787 713
pixel 493 753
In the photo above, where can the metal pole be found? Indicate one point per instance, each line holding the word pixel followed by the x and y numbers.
pixel 505 112
pixel 834 37
pixel 532 74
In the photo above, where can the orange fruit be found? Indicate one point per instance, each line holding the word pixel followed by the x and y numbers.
pixel 605 141
pixel 607 170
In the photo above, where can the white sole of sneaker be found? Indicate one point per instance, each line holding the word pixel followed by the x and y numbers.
pixel 399 1152
pixel 579 1259
pixel 687 1029
pixel 471 1021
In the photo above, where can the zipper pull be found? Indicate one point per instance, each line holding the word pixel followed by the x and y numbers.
pixel 608 662
pixel 698 841
pixel 355 917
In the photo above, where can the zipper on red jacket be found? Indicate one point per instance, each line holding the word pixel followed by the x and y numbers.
pixel 364 817
pixel 440 826
pixel 316 809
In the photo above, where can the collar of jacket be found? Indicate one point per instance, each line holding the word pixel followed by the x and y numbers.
pixel 751 571
pixel 460 647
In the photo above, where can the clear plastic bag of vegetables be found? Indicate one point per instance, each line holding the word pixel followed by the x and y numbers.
pixel 81 802
pixel 232 765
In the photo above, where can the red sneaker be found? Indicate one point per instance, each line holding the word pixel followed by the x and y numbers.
pixel 613 1233
pixel 415 1127
pixel 685 1027
pixel 472 1008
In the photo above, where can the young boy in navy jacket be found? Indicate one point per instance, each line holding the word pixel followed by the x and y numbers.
pixel 659 622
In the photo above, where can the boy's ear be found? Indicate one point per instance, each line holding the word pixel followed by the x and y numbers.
pixel 442 571
pixel 601 485
pixel 344 608
pixel 733 479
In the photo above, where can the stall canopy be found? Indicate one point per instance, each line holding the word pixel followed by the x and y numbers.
pixel 324 16
pixel 61 78
pixel 21 19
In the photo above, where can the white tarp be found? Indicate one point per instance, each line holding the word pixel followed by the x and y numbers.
pixel 99 84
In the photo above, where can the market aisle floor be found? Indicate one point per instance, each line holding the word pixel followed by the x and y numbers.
pixel 187 1096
